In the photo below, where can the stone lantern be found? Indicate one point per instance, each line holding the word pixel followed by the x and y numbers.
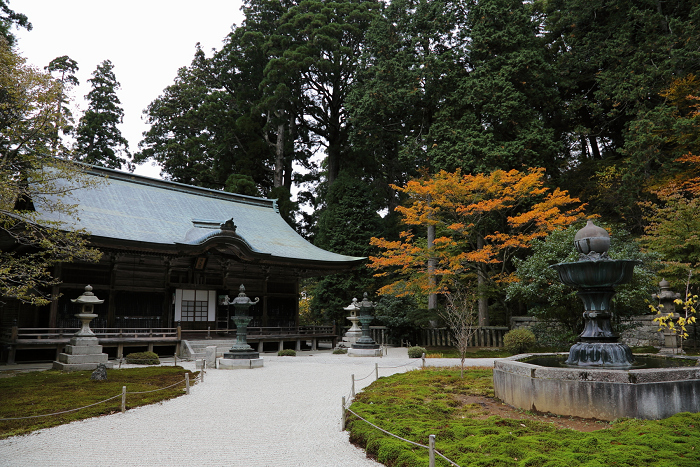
pixel 84 351
pixel 355 332
pixel 365 345
pixel 241 355
pixel 666 298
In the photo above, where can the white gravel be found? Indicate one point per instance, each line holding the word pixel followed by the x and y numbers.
pixel 284 414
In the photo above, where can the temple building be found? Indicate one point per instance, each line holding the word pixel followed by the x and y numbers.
pixel 172 253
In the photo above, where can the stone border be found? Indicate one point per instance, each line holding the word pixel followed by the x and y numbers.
pixel 597 393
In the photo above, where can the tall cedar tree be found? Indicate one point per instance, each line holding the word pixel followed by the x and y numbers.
pixel 500 111
pixel 65 68
pixel 320 43
pixel 411 57
pixel 482 223
pixel 98 139
pixel 179 138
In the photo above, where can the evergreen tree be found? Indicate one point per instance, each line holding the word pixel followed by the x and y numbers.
pixel 346 226
pixel 412 54
pixel 179 139
pixel 500 111
pixel 99 140
pixel 9 18
pixel 65 67
pixel 613 61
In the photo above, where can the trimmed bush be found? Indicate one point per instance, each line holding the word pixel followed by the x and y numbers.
pixel 340 351
pixel 519 340
pixel 287 353
pixel 416 352
pixel 143 358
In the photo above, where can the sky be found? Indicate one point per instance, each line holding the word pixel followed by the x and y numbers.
pixel 147 41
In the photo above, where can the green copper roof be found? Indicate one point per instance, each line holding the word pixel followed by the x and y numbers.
pixel 130 207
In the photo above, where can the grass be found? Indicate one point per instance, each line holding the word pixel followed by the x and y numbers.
pixel 451 352
pixel 47 392
pixel 419 403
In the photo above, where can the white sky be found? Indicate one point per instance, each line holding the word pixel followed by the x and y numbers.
pixel 146 40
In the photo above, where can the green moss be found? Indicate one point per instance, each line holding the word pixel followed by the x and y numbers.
pixel 47 392
pixel 419 403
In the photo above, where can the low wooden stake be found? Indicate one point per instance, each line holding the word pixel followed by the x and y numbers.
pixel 342 416
pixel 123 399
pixel 431 450
pixel 187 384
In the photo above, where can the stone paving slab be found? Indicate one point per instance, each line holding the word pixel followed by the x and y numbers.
pixel 284 414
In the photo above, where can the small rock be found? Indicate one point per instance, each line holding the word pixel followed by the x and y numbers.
pixel 100 373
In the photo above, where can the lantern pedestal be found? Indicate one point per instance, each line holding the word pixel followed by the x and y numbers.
pixel 84 351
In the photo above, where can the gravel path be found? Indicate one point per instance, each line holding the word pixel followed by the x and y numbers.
pixel 284 414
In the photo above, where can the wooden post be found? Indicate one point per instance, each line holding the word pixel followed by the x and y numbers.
pixel 376 371
pixel 431 450
pixel 123 399
pixel 342 416
pixel 423 358
pixel 187 384
pixel 352 390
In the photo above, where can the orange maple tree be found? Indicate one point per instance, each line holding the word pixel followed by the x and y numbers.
pixel 480 220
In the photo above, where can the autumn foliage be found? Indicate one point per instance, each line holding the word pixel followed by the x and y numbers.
pixel 480 220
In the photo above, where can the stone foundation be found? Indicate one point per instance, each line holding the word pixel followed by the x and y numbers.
pixel 83 353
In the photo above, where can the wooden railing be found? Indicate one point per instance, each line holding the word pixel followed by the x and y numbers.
pixel 484 336
pixel 15 333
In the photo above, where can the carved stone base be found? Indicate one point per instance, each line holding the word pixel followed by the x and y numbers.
pixel 604 354
pixel 239 363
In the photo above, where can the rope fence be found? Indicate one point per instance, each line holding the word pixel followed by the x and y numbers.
pixel 123 394
pixel 345 409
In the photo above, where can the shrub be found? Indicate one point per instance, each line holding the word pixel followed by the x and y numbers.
pixel 143 358
pixel 416 352
pixel 340 351
pixel 287 353
pixel 518 340
pixel 433 355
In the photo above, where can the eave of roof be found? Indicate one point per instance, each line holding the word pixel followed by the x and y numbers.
pixel 135 211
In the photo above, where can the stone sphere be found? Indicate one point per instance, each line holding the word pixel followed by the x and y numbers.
pixel 592 238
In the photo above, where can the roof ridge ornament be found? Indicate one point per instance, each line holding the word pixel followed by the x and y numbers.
pixel 228 225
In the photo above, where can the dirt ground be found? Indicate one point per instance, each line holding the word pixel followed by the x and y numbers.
pixel 489 407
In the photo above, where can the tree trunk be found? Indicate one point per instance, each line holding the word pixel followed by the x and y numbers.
pixel 481 281
pixel 432 297
pixel 279 156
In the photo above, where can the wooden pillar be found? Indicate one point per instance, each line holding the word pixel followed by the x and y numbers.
pixel 112 299
pixel 298 345
pixel 168 306
pixel 264 302
pixel 296 302
pixel 281 344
